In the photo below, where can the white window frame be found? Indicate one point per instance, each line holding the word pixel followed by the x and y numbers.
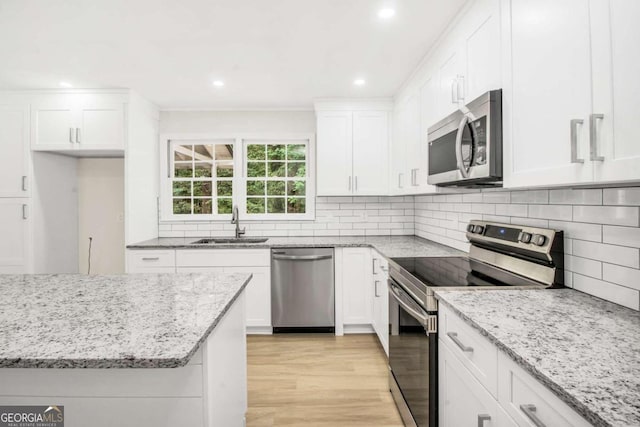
pixel 239 175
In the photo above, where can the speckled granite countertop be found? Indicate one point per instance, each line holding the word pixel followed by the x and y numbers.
pixel 119 321
pixel 389 246
pixel 586 350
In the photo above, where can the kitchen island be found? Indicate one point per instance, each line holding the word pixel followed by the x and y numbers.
pixel 127 350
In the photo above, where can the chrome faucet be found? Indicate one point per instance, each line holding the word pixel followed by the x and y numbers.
pixel 235 219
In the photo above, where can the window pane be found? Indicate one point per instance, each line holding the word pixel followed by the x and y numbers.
pixel 202 188
pixel 182 206
pixel 296 188
pixel 276 152
pixel 183 152
pixel 255 169
pixel 224 206
pixel 183 170
pixel 224 152
pixel 297 170
pixel 225 188
pixel 203 152
pixel 182 188
pixel 256 151
pixel 275 205
pixel 202 170
pixel 296 205
pixel 275 188
pixel 255 188
pixel 202 206
pixel 296 152
pixel 224 170
pixel 255 205
pixel 276 168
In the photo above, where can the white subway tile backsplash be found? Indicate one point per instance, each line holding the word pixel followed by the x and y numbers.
pixel 569 196
pixel 624 236
pixel 530 196
pixel 512 210
pixel 629 257
pixel 609 291
pixel 629 277
pixel 496 197
pixel 622 196
pixel 614 215
pixel 584 266
pixel 550 212
pixel 578 230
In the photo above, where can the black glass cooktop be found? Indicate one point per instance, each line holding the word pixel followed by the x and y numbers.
pixel 445 271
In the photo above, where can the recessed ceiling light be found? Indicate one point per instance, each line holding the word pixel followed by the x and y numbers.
pixel 65 84
pixel 386 13
pixel 359 82
pixel 218 83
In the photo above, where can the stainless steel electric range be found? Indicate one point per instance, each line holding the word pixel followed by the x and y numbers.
pixel 501 256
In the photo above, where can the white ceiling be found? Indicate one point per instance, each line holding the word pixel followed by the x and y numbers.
pixel 270 53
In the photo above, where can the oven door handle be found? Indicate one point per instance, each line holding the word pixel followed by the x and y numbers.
pixel 459 162
pixel 395 293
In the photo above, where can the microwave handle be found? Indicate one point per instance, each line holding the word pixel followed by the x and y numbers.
pixel 459 162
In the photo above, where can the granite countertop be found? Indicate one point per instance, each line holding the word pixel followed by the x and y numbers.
pixel 118 321
pixel 389 246
pixel 586 350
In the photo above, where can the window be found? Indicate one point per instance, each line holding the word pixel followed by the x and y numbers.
pixel 201 178
pixel 268 179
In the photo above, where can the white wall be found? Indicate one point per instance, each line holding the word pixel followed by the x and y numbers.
pixel 101 215
pixel 55 199
pixel 237 121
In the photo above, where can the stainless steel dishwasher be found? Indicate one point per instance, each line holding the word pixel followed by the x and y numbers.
pixel 302 290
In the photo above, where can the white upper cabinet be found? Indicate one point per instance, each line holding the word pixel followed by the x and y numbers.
pixel 570 105
pixel 449 80
pixel 78 122
pixel 352 149
pixel 14 143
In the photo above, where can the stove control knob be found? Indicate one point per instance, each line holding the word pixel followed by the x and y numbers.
pixel 538 240
pixel 471 228
pixel 525 237
pixel 479 229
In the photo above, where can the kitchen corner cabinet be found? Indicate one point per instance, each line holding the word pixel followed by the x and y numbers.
pixel 73 123
pixel 15 236
pixel 15 173
pixel 357 280
pixel 352 151
pixel 570 103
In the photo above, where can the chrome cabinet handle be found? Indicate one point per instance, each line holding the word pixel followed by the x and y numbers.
pixel 355 181
pixel 455 339
pixel 25 211
pixel 574 140
pixel 373 265
pixel 155 258
pixel 71 135
pixel 530 412
pixel 24 183
pixel 482 418
pixel 454 90
pixel 460 88
pixel 400 180
pixel 593 137
pixel 78 135
pixel 302 257
pixel 459 161
pixel 349 183
pixel 376 284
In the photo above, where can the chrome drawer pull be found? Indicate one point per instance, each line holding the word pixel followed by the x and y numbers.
pixel 574 141
pixel 530 412
pixel 455 339
pixel 482 418
pixel 151 259
pixel 593 137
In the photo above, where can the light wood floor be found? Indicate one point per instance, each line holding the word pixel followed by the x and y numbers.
pixel 318 380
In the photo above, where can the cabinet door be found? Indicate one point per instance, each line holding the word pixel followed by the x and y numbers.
pixel 14 146
pixel 381 301
pixel 398 178
pixel 549 87
pixel 616 64
pixel 334 154
pixel 462 401
pixel 258 296
pixel 415 164
pixel 101 125
pixel 370 152
pixel 357 289
pixel 448 73
pixel 15 236
pixel 481 53
pixel 53 124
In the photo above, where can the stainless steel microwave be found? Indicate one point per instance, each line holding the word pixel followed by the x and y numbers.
pixel 465 149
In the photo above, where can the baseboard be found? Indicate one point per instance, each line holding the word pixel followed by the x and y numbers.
pixel 359 329
pixel 259 330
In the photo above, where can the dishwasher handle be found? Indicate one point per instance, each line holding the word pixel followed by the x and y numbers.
pixel 302 257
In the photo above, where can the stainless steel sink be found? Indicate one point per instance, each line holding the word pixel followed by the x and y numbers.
pixel 211 240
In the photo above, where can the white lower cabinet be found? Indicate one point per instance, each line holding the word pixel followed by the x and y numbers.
pixel 357 276
pixel 466 381
pixel 151 261
pixel 15 236
pixel 381 299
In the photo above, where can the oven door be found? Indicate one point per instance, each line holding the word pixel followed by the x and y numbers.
pixel 413 359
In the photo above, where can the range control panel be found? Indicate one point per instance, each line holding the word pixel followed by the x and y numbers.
pixel 509 234
pixel 523 238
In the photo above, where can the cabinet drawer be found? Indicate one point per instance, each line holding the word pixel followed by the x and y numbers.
pixel 163 261
pixel 476 352
pixel 530 403
pixel 223 258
